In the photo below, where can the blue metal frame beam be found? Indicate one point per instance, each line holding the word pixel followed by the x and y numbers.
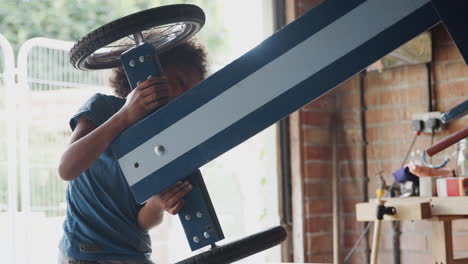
pixel 296 65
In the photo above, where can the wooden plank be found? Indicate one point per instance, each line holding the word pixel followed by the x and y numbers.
pixel 424 207
pixel 405 211
pixel 297 186
pixel 449 205
pixel 441 241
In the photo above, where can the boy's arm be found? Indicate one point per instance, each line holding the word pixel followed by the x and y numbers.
pixel 171 200
pixel 88 142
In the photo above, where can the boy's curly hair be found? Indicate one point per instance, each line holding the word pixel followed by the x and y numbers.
pixel 189 53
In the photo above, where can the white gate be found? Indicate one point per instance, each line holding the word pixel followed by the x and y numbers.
pixel 46 93
pixel 8 179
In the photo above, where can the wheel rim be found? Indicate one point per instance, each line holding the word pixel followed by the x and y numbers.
pixel 162 37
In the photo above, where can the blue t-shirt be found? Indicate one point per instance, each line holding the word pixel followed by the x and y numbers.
pixel 101 221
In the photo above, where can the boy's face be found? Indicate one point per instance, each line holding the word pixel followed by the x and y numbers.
pixel 181 78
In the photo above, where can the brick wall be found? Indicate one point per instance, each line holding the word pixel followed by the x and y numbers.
pixel 390 97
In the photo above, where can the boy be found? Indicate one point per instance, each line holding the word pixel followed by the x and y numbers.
pixel 104 224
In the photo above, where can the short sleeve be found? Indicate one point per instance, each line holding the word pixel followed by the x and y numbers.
pixel 96 109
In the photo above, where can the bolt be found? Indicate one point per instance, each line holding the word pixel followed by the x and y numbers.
pixel 159 150
pixel 132 63
pixel 206 235
pixel 139 82
pixel 142 58
pixel 187 217
pixel 149 77
pixel 196 239
pixel 199 215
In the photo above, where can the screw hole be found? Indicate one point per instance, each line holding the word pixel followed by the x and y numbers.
pixel 136 165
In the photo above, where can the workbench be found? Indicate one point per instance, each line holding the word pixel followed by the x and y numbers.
pixel 440 210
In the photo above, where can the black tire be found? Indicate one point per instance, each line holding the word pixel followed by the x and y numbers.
pixel 186 14
pixel 240 249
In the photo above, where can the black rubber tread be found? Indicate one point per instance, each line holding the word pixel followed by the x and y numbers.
pixel 128 25
pixel 241 248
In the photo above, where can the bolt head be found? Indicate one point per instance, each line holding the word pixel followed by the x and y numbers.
pixel 206 235
pixel 159 150
pixel 196 239
pixel 199 214
pixel 142 58
pixel 187 217
pixel 131 63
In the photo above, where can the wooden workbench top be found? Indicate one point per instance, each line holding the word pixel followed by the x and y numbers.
pixel 415 208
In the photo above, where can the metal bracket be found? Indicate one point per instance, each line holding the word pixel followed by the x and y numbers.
pixel 197 216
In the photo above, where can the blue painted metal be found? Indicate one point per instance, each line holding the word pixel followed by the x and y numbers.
pixel 198 216
pixel 265 115
pixel 454 15
pixel 278 44
pixel 140 63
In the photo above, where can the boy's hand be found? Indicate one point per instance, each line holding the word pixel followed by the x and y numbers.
pixel 146 97
pixel 171 200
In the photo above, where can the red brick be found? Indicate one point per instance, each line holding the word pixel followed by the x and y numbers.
pixel 351 153
pixel 349 86
pixel 325 102
pixel 319 257
pixel 450 70
pixel 446 53
pixel 385 151
pixel 351 224
pixel 386 167
pixel 350 238
pixel 312 153
pixel 350 118
pixel 315 207
pixel 319 224
pixel 317 170
pixel 320 189
pixel 414 74
pixel 303 6
pixel 377 116
pixel 316 136
pixel 371 99
pixel 349 102
pixel 357 258
pixel 349 205
pixel 372 133
pixel 350 171
pixel 376 79
pixel 452 89
pixel 351 189
pixel 349 135
pixel 440 35
pixel 402 96
pixel 314 118
pixel 408 75
pixel 395 132
pixel 408 111
pixel 319 243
